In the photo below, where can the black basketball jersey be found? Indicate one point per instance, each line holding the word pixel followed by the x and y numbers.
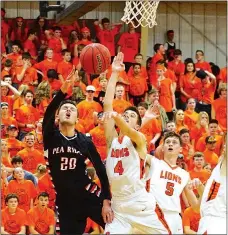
pixel 66 155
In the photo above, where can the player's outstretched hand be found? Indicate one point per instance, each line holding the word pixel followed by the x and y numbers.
pixel 109 115
pixel 107 212
pixel 194 184
pixel 70 80
pixel 117 64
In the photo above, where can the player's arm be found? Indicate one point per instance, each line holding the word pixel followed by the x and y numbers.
pixel 16 93
pixel 109 125
pixel 22 230
pixel 49 116
pixel 188 190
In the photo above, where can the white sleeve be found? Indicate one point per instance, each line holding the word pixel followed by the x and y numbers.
pixel 166 46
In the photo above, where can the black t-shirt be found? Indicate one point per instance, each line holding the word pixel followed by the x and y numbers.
pixel 66 155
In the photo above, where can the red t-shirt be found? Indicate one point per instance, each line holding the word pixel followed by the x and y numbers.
pixel 30 47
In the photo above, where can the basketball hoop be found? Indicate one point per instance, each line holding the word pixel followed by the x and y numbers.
pixel 140 13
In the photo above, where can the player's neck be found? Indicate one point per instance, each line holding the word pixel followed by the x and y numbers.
pixel 171 159
pixel 67 131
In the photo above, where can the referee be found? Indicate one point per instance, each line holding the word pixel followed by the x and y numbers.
pixel 66 151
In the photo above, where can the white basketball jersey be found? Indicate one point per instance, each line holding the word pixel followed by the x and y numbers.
pixel 123 168
pixel 167 184
pixel 213 201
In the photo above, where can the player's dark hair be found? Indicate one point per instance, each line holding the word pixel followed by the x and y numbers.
pixel 26 55
pixel 171 134
pixel 16 159
pixel 10 196
pixel 31 32
pixel 213 121
pixel 134 109
pixel 157 47
pixel 105 20
pixel 143 104
pixel 66 102
pixel 52 73
pixel 135 64
pixel 183 131
pixel 200 51
pixel 198 154
pixel 43 194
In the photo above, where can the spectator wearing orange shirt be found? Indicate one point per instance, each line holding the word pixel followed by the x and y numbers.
pixel 98 137
pixel 72 41
pixel 53 80
pixel 222 77
pixel 27 115
pixel 41 219
pixel 138 59
pixel 200 128
pixel 65 66
pixel 129 45
pixel 179 120
pixel 31 156
pixel 212 131
pixel 198 171
pixel 142 108
pixel 219 107
pixel 207 91
pixel 14 145
pixel 30 46
pixel 24 189
pixel 119 103
pixel 209 155
pixel 159 55
pixel 201 64
pixel 187 148
pixel 13 219
pixel 207 167
pixel 6 119
pixel 5 155
pixel 7 68
pixel 26 74
pixel 38 136
pixel 46 64
pixel 166 90
pixel 138 85
pixel 85 37
pixel 87 107
pixel 190 116
pixel 55 41
pixel 191 218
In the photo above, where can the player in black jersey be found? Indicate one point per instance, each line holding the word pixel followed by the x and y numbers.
pixel 66 150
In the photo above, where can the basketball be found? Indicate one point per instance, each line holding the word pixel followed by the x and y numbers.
pixel 95 58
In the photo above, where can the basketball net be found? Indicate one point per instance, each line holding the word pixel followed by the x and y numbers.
pixel 140 13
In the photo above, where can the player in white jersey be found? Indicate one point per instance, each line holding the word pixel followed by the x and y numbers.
pixel 168 181
pixel 213 204
pixel 131 204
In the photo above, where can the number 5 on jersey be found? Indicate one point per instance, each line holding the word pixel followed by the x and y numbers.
pixel 68 163
pixel 169 188
pixel 119 168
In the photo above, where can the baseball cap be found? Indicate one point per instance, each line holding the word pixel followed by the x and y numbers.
pixel 85 29
pixel 11 127
pixel 90 88
pixel 201 74
pixel 210 139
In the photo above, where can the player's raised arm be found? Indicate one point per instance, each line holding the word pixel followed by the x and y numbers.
pixel 117 66
pixel 49 116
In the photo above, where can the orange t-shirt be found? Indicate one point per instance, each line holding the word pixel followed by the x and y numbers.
pixel 41 220
pixel 119 106
pixel 179 127
pixel 201 145
pixel 45 185
pixel 31 158
pixel 211 157
pixel 42 106
pixel 143 72
pixel 223 75
pixel 10 100
pixel 203 65
pixel 7 122
pixel 79 126
pixel 138 86
pixel 14 146
pixel 64 68
pixel 90 224
pixel 190 118
pixel 150 129
pixel 185 151
pixel 12 223
pixel 27 115
pixel 196 133
pixel 98 137
pixel 44 66
pixel 191 218
pixel 56 45
pixel 191 85
pixel 165 97
pixel 206 93
pixel 6 161
pixel 155 59
pixel 18 103
pixel 85 112
pixel 3 194
pixel 24 190
pixel 203 175
pixel 55 85
pixel 220 108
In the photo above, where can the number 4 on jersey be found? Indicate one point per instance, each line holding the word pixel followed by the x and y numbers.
pixel 119 168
